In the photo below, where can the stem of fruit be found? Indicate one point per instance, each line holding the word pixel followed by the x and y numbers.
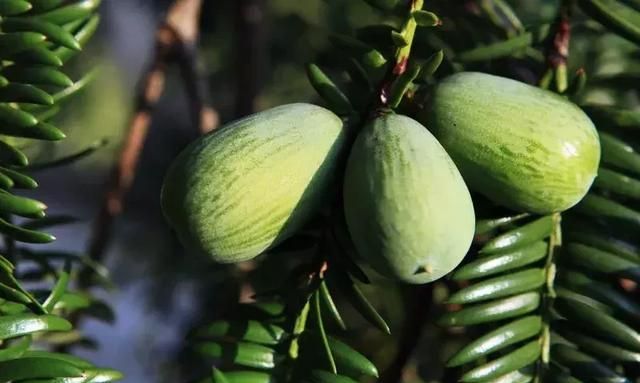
pixel 548 294
pixel 402 54
pixel 557 51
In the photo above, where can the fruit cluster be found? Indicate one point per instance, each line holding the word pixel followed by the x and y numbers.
pixel 248 186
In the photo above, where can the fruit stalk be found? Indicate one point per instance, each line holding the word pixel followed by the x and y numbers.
pixel 402 53
pixel 557 51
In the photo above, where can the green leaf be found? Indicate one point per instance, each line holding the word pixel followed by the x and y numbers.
pixel 617 183
pixel 485 226
pixel 399 40
pixel 71 158
pixel 249 377
pixel 264 309
pixel 12 204
pixel 29 368
pixel 319 376
pixel 25 93
pixel 596 206
pixel 493 311
pixel 11 155
pixel 12 116
pixel 526 234
pixel 328 90
pixel 330 305
pixel 616 16
pixel 43 5
pixel 357 299
pixel 583 366
pixel 584 299
pixel 13 294
pixel 595 346
pixel 41 131
pixel 599 291
pixel 349 361
pixel 53 32
pixel 24 235
pixel 431 65
pixel 249 331
pixel 5 182
pixel 59 288
pixel 12 43
pixel 515 360
pixel 501 262
pixel 72 301
pixel 76 361
pixel 600 261
pixel 23 324
pixel 15 348
pixel 219 377
pixel 38 55
pixel 504 48
pixel 501 286
pixel 82 36
pixel 366 54
pixel 577 85
pixel 425 18
pixel 498 339
pixel 613 116
pixel 618 153
pixel 402 84
pixel 19 179
pixel 14 7
pixel 385 5
pixel 604 241
pixel 241 354
pixel 524 375
pixel 49 221
pixel 323 335
pixel 71 12
pixel 42 75
pixel 598 322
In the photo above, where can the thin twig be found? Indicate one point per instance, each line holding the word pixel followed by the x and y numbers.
pixel 175 40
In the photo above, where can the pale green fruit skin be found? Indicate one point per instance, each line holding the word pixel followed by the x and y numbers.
pixel 521 146
pixel 406 204
pixel 244 188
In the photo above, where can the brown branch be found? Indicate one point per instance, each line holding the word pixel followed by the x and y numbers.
pixel 175 40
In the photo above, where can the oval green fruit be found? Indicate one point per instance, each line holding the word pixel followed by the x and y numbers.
pixel 249 185
pixel 521 146
pixel 407 208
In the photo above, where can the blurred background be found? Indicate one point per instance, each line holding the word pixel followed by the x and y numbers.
pixel 251 55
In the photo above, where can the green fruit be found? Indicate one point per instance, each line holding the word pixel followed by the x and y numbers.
pixel 251 184
pixel 521 146
pixel 407 208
